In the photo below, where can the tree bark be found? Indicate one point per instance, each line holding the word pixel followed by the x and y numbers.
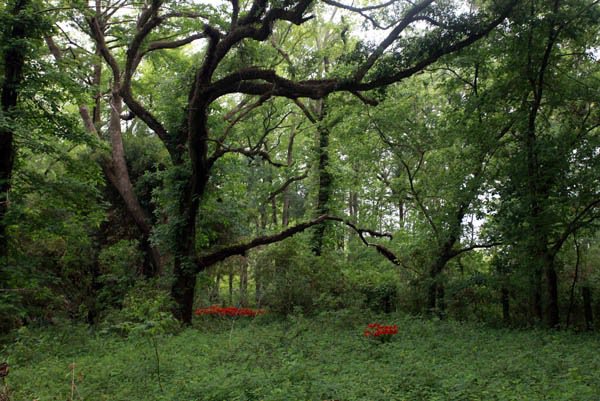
pixel 115 167
pixel 505 300
pixel 14 62
pixel 285 212
pixel 574 283
pixel 257 24
pixel 184 266
pixel 552 282
pixel 435 302
pixel 441 300
pixel 216 288
pixel 538 185
pixel 324 179
pixel 258 286
pixel 118 175
pixel 230 278
pixel 538 310
pixel 587 307
pixel 244 282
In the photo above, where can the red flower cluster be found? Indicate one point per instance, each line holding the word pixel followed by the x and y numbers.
pixel 382 332
pixel 228 311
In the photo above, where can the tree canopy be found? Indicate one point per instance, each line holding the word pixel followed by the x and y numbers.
pixel 435 156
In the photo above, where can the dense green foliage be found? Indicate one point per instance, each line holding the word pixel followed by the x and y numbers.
pixel 306 359
pixel 321 161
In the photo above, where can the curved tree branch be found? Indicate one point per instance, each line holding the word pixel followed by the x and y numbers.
pixel 240 249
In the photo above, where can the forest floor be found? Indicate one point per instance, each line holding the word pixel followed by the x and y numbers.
pixel 324 358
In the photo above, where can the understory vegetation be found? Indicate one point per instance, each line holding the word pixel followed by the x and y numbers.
pixel 299 199
pixel 321 358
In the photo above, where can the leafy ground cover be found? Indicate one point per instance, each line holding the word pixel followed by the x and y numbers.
pixel 324 358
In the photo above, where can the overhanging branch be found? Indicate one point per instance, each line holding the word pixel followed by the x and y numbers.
pixel 208 260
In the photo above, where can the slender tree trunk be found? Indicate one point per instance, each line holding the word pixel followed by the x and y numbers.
pixel 355 209
pixel 502 270
pixel 263 216
pixel 505 300
pixel 230 278
pixel 14 61
pixel 587 307
pixel 215 298
pixel 552 282
pixel 285 212
pixel 244 282
pixel 274 211
pixel 325 180
pixel 441 300
pixel 401 213
pixel 574 283
pixel 538 311
pixel 537 184
pixel 258 286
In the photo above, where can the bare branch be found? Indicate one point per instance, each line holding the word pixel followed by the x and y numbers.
pixel 364 99
pixel 362 11
pixel 285 185
pixel 244 112
pixel 388 254
pixel 473 247
pixel 235 5
pixel 256 81
pixel 251 153
pixel 392 36
pixel 578 222
pixel 98 36
pixel 54 49
pixel 359 9
pixel 433 56
pixel 208 260
pixel 305 110
pixel 87 120
pixel 158 45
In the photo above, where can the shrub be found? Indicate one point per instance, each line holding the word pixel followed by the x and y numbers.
pixel 146 309
pixel 291 277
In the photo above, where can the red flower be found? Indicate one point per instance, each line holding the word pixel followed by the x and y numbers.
pixel 230 311
pixel 384 333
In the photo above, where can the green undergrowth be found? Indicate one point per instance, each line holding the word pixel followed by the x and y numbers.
pixel 324 358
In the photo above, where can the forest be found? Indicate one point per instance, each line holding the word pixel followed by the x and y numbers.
pixel 299 199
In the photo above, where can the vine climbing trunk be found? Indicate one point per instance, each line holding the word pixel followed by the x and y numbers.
pixel 193 186
pixel 324 178
pixel 14 62
pixel 285 211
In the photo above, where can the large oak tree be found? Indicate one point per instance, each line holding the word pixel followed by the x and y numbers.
pixel 418 35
